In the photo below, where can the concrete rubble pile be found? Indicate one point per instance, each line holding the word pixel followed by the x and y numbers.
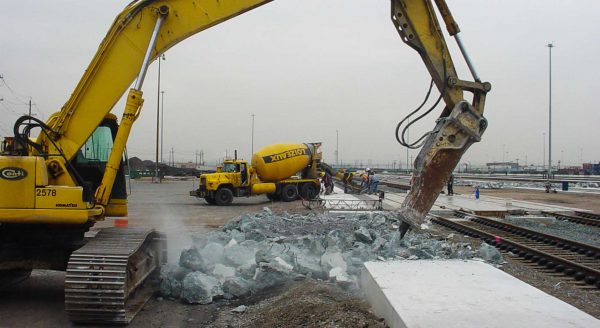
pixel 253 252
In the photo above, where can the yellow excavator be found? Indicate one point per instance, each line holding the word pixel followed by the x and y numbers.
pixel 55 186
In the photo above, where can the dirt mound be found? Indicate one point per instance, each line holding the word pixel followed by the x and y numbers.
pixel 305 304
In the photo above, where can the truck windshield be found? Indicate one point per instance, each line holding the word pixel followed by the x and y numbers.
pixel 229 167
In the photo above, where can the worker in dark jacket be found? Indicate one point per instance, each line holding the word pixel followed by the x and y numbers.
pixel 450 185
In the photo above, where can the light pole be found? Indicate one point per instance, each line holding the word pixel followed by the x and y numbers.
pixel 252 153
pixel 156 176
pixel 550 46
pixel 162 122
pixel 337 149
pixel 544 149
pixel 408 142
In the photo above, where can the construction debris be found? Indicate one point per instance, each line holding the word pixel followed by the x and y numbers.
pixel 257 251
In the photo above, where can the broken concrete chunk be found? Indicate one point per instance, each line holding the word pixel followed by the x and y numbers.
pixel 334 238
pixel 270 252
pixel 212 253
pixel 170 287
pixel 378 244
pixel 267 211
pixel 238 255
pixel 240 309
pixel 490 253
pixel 265 279
pixel 246 271
pixel 333 258
pixel 255 234
pixel 232 242
pixel 281 265
pixel 308 264
pixel 378 219
pixel 340 277
pixel 237 235
pixel 199 288
pixel 316 247
pixel 236 287
pixel 247 223
pixel 362 234
pixel 171 277
pixel 223 272
pixel 333 273
pixel 219 237
pixel 190 258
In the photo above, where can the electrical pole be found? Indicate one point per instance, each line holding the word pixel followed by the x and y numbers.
pixel 28 134
pixel 337 149
pixel 196 167
pixel 157 120
pixel 550 46
pixel 408 142
pixel 252 153
pixel 162 122
pixel 544 149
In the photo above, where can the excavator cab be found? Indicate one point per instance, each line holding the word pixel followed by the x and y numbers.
pixel 90 164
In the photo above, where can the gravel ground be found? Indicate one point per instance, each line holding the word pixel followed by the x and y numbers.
pixel 561 228
pixel 301 304
pixel 38 302
pixel 589 202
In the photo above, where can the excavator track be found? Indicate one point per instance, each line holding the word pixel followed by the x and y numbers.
pixel 106 278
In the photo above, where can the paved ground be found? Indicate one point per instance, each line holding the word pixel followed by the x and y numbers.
pixel 38 302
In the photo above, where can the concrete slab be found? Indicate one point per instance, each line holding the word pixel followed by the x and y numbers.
pixel 457 293
pixel 483 204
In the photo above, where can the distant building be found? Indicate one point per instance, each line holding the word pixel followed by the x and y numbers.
pixel 589 169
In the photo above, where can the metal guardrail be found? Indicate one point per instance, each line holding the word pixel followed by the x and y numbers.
pixel 346 204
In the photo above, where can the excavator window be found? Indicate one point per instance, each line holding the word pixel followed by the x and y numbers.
pixel 97 148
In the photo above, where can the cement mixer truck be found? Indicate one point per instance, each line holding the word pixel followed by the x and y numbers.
pixel 280 171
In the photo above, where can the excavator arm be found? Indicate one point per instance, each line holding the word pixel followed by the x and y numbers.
pixel 461 122
pixel 144 30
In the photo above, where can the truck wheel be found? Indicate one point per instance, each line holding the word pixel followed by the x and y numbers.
pixel 308 191
pixel 223 197
pixel 289 193
pixel 210 200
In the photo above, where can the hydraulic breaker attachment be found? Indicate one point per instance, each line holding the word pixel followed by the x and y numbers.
pixel 438 157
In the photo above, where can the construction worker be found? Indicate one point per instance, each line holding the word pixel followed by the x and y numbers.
pixel 364 180
pixel 328 183
pixel 347 179
pixel 373 183
pixel 322 181
pixel 450 185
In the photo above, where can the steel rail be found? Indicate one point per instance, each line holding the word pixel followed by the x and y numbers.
pixel 578 271
pixel 579 218
pixel 552 240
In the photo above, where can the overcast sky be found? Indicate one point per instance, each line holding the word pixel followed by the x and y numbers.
pixel 307 68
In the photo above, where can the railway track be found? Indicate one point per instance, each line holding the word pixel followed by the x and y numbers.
pixel 554 255
pixel 586 218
